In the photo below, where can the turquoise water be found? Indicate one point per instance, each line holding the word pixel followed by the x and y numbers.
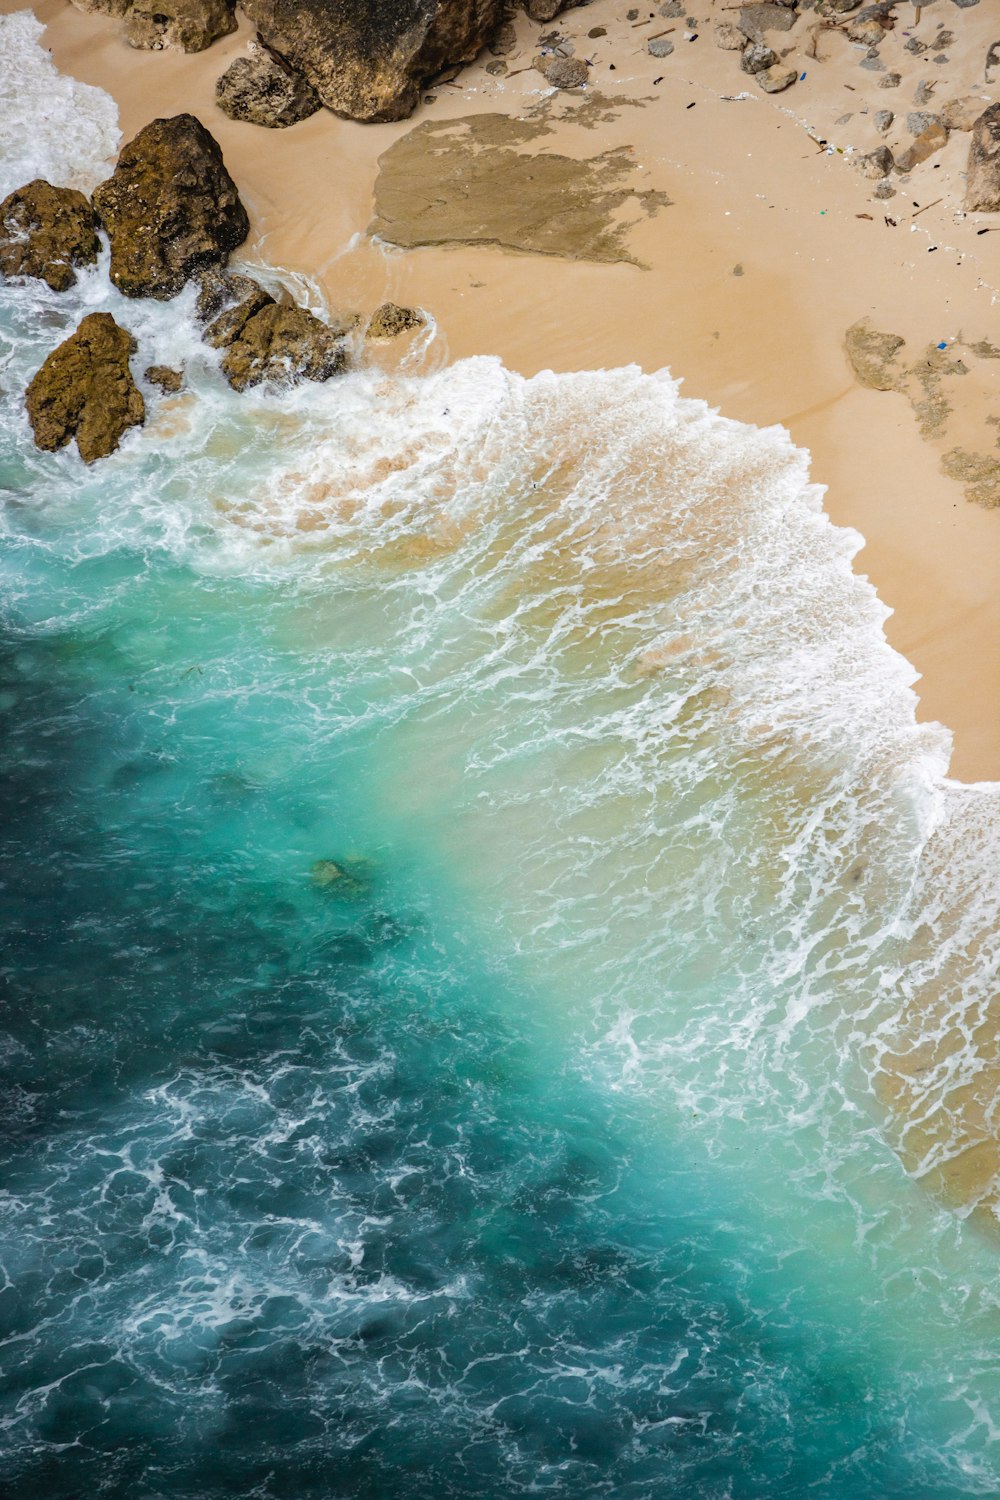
pixel 546 1151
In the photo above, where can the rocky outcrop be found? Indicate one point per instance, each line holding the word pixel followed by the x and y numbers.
pixel 368 58
pixel 85 390
pixel 283 343
pixel 982 192
pixel 170 208
pixel 264 91
pixel 45 231
pixel 389 321
pixel 190 25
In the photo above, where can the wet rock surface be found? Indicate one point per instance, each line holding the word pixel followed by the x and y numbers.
pixel 85 390
pixel 226 302
pixel 45 232
pixel 170 208
pixel 283 344
pixel 190 25
pixel 389 321
pixel 263 91
pixel 165 378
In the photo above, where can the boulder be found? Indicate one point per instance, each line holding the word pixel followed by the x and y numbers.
pixel 388 321
pixel 226 303
pixel 170 208
pixel 876 163
pixel 85 390
pixel 872 356
pixel 756 57
pixel 367 59
pixel 189 25
pixel 283 343
pixel 264 91
pixel 774 80
pixel 45 231
pixel 168 380
pixel 982 191
pixel 564 72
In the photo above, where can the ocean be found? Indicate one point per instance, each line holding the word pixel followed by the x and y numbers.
pixel 498 986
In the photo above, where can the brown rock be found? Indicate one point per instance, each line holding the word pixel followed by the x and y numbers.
pixel 103 7
pixel 190 25
pixel 45 231
pixel 755 20
pixel 368 58
pixel 876 163
pixel 85 390
pixel 388 321
pixel 564 72
pixel 774 80
pixel 982 192
pixel 164 378
pixel 872 356
pixel 226 302
pixel 729 38
pixel 170 208
pixel 264 91
pixel 924 145
pixel 283 343
pixel 962 114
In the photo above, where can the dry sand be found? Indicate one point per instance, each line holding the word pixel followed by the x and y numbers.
pixel 771 247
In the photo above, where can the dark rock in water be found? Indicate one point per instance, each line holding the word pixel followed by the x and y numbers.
pixel 368 58
pixel 224 292
pixel 170 208
pixel 264 91
pixel 164 378
pixel 388 321
pixel 45 231
pixel 283 343
pixel 982 192
pixel 351 877
pixel 85 390
pixel 191 25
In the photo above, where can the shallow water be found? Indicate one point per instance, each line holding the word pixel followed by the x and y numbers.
pixel 548 1149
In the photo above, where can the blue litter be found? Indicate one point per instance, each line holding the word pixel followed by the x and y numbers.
pixel 942 346
pixel 801 76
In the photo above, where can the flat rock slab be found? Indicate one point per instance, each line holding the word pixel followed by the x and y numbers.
pixel 472 182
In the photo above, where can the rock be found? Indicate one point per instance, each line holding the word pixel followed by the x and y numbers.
pixel 992 61
pixel 504 40
pixel 919 120
pixel 873 64
pixel 45 231
pixel 659 46
pixel 868 33
pixel 982 192
pixel 225 303
pixel 923 93
pixel 103 7
pixel 883 120
pixel 167 380
pixel 729 38
pixel 876 163
pixel 754 20
pixel 774 80
pixel 884 189
pixel 872 356
pixel 965 4
pixel 927 142
pixel 890 81
pixel 263 91
pixel 170 208
pixel 672 10
pixel 283 343
pixel 564 72
pixel 367 59
pixel 545 10
pixel 757 57
pixel 85 390
pixel 962 114
pixel 351 877
pixel 388 321
pixel 915 45
pixel 190 25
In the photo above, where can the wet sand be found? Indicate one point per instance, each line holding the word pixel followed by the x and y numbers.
pixel 771 247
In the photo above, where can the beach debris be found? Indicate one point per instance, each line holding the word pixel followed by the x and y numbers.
pixel 774 80
pixel 389 321
pixel 982 193
pixel 872 356
pixel 883 120
pixel 263 91
pixel 165 378
pixel 170 208
pixel 189 25
pixel 45 232
pixel 85 390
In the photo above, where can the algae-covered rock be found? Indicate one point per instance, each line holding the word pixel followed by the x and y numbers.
pixel 283 343
pixel 872 356
pixel 982 191
pixel 85 390
pixel 263 91
pixel 389 321
pixel 190 25
pixel 170 208
pixel 226 303
pixel 45 231
pixel 368 58
pixel 165 378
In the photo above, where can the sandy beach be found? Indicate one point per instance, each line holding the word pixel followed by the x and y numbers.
pixel 771 247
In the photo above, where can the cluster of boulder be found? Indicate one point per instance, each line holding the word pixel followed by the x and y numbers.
pixel 172 215
pixel 366 59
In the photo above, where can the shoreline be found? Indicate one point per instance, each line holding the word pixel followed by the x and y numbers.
pixel 756 269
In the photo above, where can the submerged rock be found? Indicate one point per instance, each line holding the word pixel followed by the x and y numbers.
pixel 264 91
pixel 170 208
pixel 368 58
pixel 982 192
pixel 85 390
pixel 283 343
pixel 190 25
pixel 168 380
pixel 389 321
pixel 872 356
pixel 45 231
